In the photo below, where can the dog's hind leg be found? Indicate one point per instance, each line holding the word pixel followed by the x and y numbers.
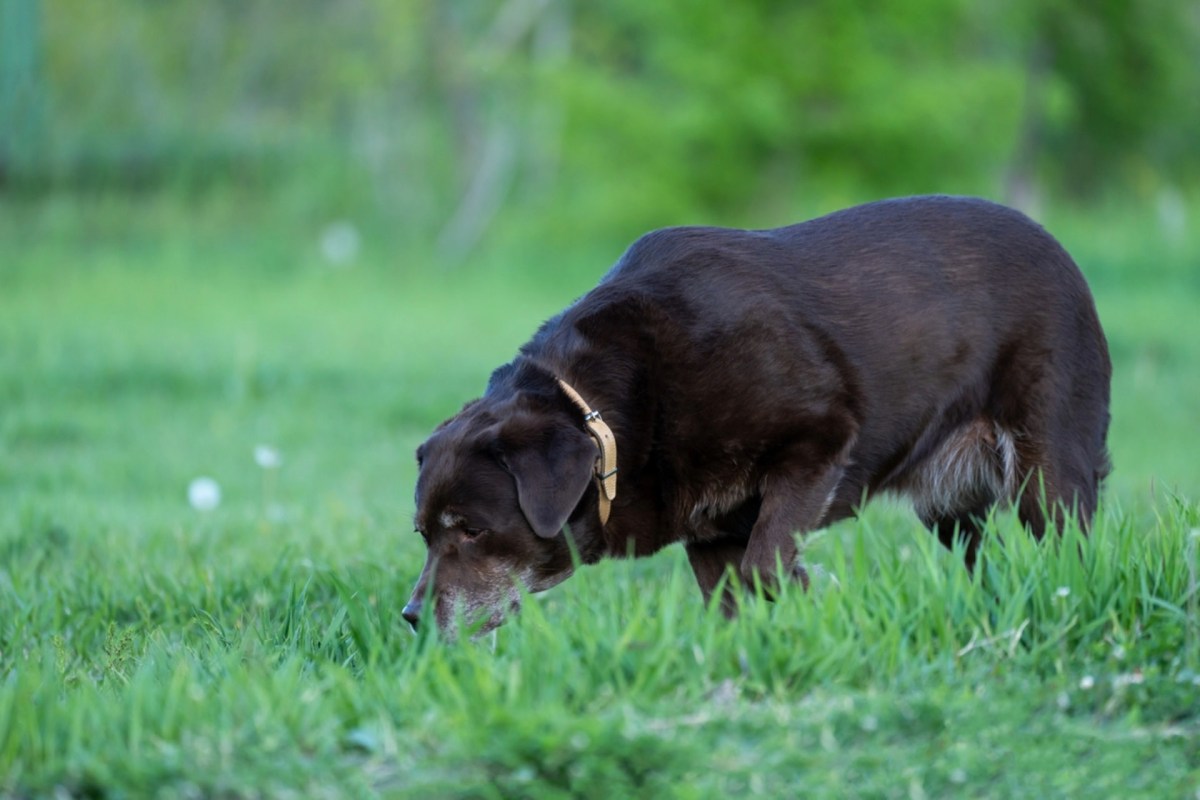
pixel 1058 409
pixel 966 528
pixel 1061 460
pixel 1055 490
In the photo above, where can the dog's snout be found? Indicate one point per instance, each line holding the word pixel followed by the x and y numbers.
pixel 412 613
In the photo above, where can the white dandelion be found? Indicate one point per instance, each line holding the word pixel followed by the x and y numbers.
pixel 269 460
pixel 204 494
pixel 267 457
pixel 340 243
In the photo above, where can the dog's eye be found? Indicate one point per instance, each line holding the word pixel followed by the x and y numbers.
pixel 472 533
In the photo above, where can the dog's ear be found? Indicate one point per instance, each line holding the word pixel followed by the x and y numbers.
pixel 551 473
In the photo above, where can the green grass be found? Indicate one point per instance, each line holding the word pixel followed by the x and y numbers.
pixel 257 650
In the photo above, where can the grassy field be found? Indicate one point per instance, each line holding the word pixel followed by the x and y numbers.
pixel 151 649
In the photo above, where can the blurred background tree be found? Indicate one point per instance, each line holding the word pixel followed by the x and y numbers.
pixel 437 119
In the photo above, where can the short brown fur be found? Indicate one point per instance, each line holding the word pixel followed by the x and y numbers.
pixel 762 384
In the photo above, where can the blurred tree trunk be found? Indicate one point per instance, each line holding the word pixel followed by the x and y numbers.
pixel 480 155
pixel 551 52
pixel 489 116
pixel 1021 185
pixel 22 104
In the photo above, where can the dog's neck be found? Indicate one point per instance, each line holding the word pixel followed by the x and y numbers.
pixel 613 382
pixel 606 450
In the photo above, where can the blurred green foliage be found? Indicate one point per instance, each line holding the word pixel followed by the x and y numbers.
pixel 438 118
pixel 183 188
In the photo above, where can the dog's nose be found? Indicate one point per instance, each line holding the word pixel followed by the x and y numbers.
pixel 412 613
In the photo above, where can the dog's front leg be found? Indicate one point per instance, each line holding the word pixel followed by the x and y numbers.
pixel 711 562
pixel 795 498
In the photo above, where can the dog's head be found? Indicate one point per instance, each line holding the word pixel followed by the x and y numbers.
pixel 496 486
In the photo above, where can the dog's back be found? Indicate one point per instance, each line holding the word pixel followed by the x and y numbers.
pixel 961 336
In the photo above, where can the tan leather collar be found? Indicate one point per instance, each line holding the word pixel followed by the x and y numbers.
pixel 606 458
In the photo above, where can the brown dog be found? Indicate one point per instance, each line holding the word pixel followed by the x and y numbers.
pixel 761 384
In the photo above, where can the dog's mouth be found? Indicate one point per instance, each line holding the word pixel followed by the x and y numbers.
pixel 498 618
pixel 477 621
pixel 462 611
pixel 494 621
